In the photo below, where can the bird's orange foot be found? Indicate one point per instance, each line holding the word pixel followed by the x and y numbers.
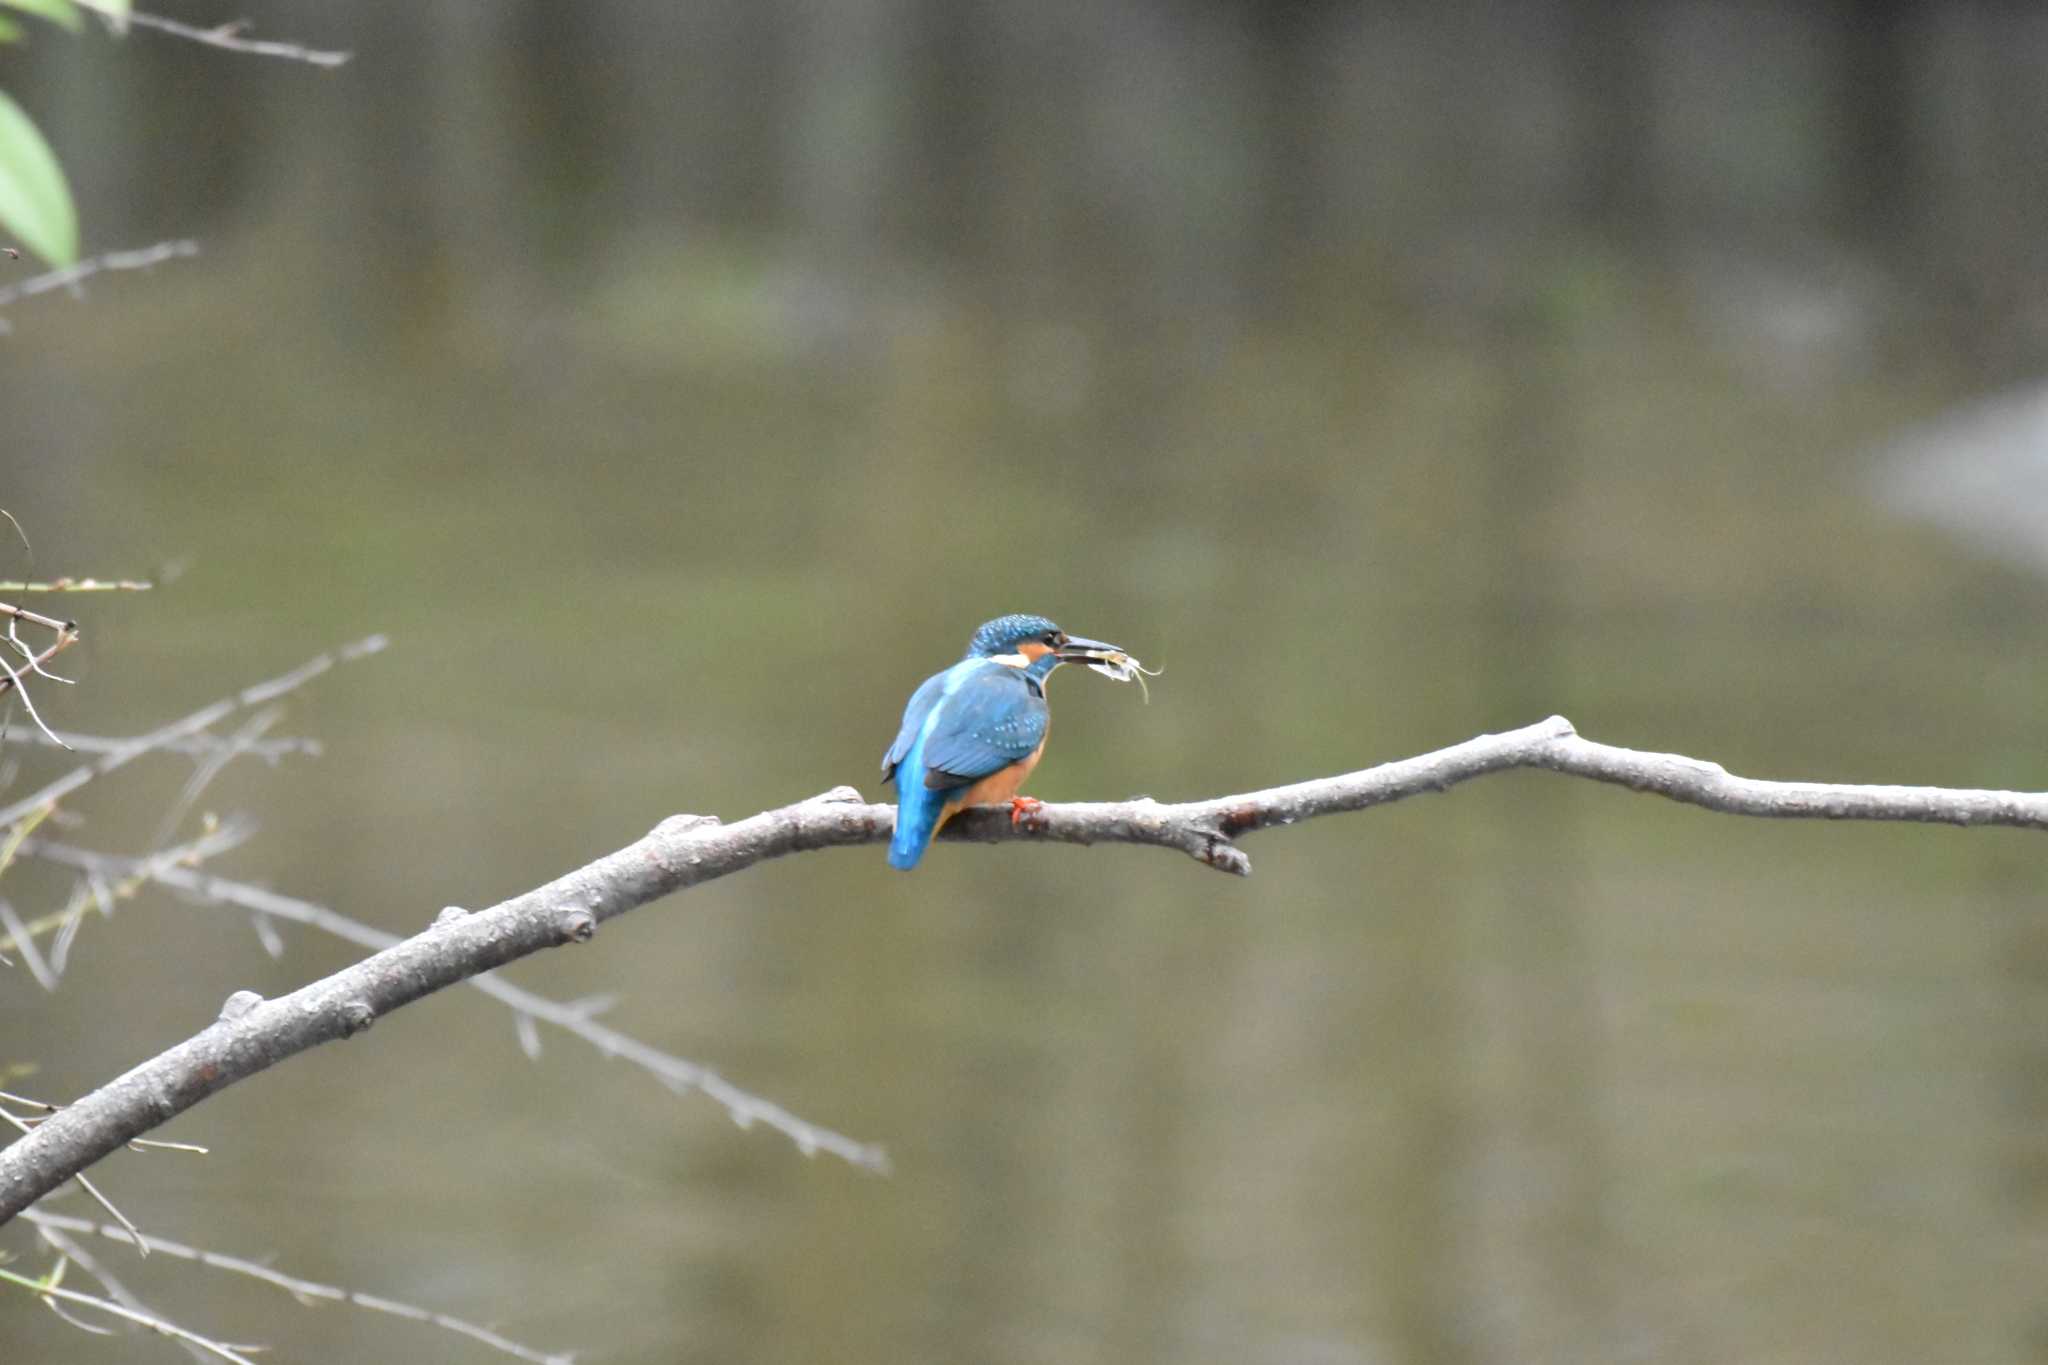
pixel 1024 808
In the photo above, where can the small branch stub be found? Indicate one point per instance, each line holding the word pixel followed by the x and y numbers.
pixel 239 1004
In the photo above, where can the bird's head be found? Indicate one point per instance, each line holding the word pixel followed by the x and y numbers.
pixel 1033 642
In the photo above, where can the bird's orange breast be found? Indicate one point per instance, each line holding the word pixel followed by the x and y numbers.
pixel 995 789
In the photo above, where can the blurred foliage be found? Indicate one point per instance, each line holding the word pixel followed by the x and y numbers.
pixel 35 201
pixel 35 198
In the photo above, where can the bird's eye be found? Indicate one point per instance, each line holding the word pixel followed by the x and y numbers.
pixel 1055 639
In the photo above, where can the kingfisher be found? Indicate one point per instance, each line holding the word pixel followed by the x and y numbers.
pixel 973 733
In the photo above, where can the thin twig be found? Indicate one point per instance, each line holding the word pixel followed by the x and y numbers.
pixel 103 890
pixel 76 585
pixel 229 36
pixel 71 277
pixel 28 1129
pixel 10 845
pixel 307 1292
pixel 203 719
pixel 685 851
pixel 191 746
pixel 36 618
pixel 65 1245
pixel 44 1109
pixel 210 767
pixel 46 1290
pixel 19 938
pixel 65 635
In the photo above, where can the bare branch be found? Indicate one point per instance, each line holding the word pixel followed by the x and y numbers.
pixel 108 880
pixel 76 585
pixel 43 1109
pixel 64 634
pixel 53 1225
pixel 174 870
pixel 36 618
pixel 203 719
pixel 210 767
pixel 85 1183
pixel 66 1246
pixel 685 851
pixel 229 36
pixel 53 1294
pixel 20 939
pixel 191 746
pixel 71 277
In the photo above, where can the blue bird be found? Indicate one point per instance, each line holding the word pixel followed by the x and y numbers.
pixel 973 733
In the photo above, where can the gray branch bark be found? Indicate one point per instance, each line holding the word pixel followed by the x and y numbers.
pixel 685 850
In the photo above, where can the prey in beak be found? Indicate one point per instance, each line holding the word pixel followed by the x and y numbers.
pixel 1111 661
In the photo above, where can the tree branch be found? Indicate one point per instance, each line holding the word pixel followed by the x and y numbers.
pixel 73 277
pixel 55 1228
pixel 686 850
pixel 230 36
pixel 127 751
pixel 173 868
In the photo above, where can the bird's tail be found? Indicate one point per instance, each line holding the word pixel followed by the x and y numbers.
pixel 918 813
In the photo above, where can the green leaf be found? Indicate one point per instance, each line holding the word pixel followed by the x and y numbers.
pixel 115 10
pixel 35 201
pixel 61 12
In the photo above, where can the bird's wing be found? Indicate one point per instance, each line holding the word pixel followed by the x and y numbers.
pixel 993 719
pixel 921 703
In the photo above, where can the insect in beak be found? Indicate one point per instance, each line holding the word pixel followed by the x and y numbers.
pixel 1108 660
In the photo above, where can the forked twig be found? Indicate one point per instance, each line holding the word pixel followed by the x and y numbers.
pixel 203 719
pixel 64 634
pixel 48 1289
pixel 305 1291
pixel 101 889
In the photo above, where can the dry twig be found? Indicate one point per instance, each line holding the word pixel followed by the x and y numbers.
pixel 75 585
pixel 104 883
pixel 52 1226
pixel 203 719
pixel 53 1293
pixel 63 635
pixel 65 1246
pixel 196 747
pixel 230 37
pixel 72 277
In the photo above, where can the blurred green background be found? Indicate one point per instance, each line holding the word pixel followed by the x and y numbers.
pixel 679 383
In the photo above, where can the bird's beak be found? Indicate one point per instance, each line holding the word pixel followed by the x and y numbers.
pixel 1079 651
